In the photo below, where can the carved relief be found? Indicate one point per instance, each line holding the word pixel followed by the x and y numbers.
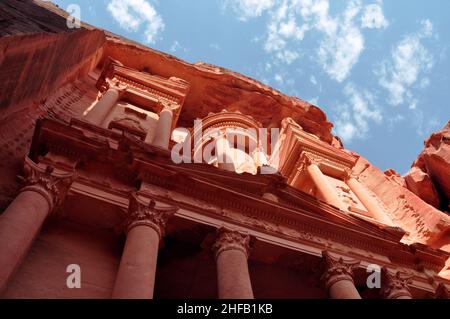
pixel 51 185
pixel 143 214
pixel 337 269
pixel 395 285
pixel 231 240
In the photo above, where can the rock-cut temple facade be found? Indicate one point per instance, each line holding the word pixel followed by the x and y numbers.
pixel 128 173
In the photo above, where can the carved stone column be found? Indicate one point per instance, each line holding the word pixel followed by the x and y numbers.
pixel 338 277
pixel 101 109
pixel 144 226
pixel 326 190
pixel 368 201
pixel 21 222
pixel 231 251
pixel 163 128
pixel 395 286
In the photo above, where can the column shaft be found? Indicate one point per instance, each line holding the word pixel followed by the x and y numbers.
pixel 144 226
pixel 233 278
pixel 343 289
pixel 19 225
pixel 163 129
pixel 325 189
pixel 103 106
pixel 369 202
pixel 136 275
pixel 21 222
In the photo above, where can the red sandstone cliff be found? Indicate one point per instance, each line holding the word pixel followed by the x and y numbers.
pixel 429 177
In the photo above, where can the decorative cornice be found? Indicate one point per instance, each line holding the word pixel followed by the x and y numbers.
pixel 395 285
pixel 51 185
pixel 231 240
pixel 337 269
pixel 142 214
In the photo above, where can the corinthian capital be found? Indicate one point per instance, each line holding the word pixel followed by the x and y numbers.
pixel 141 213
pixel 53 186
pixel 337 269
pixel 395 285
pixel 231 240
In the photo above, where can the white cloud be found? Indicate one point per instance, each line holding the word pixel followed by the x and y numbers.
pixel 408 62
pixel 132 14
pixel 279 79
pixel 175 46
pixel 352 120
pixel 313 80
pixel 215 46
pixel 341 41
pixel 246 9
pixel 339 36
pixel 339 51
pixel 373 17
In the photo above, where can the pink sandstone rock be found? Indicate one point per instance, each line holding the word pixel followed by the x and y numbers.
pixel 434 162
pixel 421 184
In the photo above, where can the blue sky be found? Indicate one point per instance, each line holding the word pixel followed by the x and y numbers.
pixel 379 69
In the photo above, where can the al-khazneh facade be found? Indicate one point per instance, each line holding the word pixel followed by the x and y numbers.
pixel 88 122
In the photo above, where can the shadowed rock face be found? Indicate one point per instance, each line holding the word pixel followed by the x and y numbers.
pixel 429 177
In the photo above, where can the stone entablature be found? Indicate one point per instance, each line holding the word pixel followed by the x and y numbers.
pixel 295 218
pixel 155 88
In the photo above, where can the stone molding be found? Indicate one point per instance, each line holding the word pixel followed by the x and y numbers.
pixel 395 285
pixel 337 269
pixel 51 185
pixel 142 214
pixel 231 240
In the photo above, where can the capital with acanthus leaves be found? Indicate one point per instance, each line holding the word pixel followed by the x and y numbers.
pixel 52 185
pixel 152 215
pixel 231 240
pixel 337 269
pixel 395 285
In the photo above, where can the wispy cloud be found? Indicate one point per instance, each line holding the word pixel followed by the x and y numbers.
pixel 373 17
pixel 132 14
pixel 353 117
pixel 340 40
pixel 246 9
pixel 409 61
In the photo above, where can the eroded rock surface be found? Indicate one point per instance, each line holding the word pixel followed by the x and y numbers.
pixel 429 177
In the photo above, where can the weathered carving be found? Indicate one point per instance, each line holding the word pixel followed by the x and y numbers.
pixel 51 185
pixel 229 239
pixel 337 269
pixel 141 213
pixel 395 285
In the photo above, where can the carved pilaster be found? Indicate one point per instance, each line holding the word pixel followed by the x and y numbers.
pixel 53 186
pixel 141 213
pixel 231 240
pixel 395 286
pixel 337 269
